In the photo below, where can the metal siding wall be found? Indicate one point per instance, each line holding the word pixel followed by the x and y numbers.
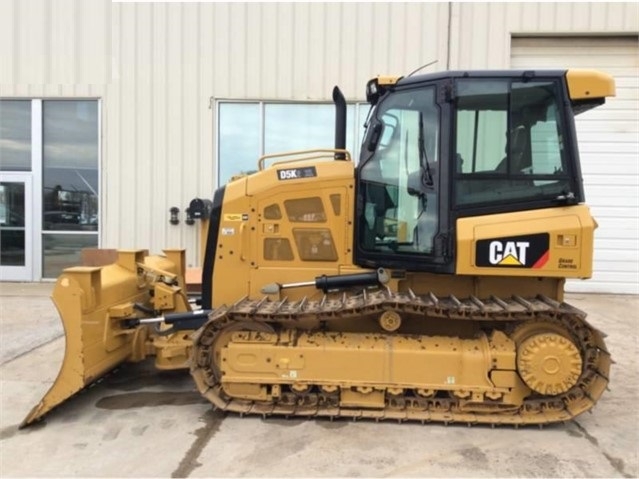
pixel 54 47
pixel 301 50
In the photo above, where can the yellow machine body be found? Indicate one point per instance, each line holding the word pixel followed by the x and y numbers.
pixel 264 239
pixel 295 324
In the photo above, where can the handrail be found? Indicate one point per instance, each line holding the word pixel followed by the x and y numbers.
pixel 260 163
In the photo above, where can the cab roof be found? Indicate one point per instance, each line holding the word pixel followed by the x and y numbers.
pixel 582 84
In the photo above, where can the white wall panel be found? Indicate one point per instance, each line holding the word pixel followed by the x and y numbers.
pixel 124 215
pixel 194 99
pixel 53 42
pixel 8 46
pixel 139 105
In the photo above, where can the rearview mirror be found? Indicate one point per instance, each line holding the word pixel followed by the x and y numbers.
pixel 373 139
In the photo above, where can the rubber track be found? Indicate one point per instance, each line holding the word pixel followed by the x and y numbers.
pixel 536 410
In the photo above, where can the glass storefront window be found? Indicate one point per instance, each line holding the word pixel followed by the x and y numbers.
pixel 290 127
pixel 248 130
pixel 239 133
pixel 49 164
pixel 70 165
pixel 70 180
pixel 64 250
pixel 15 135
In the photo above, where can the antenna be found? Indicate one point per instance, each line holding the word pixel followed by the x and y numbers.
pixel 421 68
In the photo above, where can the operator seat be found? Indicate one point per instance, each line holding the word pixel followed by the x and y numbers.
pixel 519 146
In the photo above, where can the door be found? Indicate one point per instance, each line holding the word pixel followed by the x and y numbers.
pixel 398 221
pixel 16 251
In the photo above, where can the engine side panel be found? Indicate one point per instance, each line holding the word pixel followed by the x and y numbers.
pixel 287 223
pixel 556 242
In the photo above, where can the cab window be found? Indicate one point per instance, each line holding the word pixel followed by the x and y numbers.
pixel 399 180
pixel 509 144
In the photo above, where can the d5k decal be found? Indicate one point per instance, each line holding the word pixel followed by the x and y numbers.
pixel 527 251
pixel 296 173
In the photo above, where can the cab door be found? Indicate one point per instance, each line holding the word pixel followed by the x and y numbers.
pixel 402 194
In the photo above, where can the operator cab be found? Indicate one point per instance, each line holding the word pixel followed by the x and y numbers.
pixel 456 144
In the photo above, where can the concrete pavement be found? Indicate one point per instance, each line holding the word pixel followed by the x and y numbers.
pixel 139 422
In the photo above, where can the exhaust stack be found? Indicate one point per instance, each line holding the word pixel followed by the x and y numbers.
pixel 340 122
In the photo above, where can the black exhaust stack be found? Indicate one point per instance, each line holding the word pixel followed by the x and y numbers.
pixel 340 122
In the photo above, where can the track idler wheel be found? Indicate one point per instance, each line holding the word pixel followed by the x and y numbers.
pixel 549 363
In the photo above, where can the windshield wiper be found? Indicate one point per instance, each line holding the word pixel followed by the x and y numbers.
pixel 423 157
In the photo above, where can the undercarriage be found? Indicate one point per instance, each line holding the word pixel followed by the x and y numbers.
pixel 401 356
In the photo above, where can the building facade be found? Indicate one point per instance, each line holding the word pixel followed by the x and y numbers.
pixel 111 114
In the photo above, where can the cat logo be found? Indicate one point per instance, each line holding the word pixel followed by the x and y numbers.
pixel 510 253
pixel 525 251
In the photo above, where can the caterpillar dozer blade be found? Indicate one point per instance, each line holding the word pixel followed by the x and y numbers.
pixel 98 307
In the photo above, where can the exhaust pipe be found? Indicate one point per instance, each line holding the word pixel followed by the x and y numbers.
pixel 340 122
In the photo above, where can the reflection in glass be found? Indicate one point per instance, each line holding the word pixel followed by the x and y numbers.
pixel 303 126
pixel 63 251
pixel 509 143
pixel 286 127
pixel 305 210
pixel 239 138
pixel 12 245
pixel 12 224
pixel 15 135
pixel 290 127
pixel 315 244
pixel 362 114
pixel 278 249
pixel 70 173
pixel 399 181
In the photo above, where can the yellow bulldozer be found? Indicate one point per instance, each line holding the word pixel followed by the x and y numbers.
pixel 424 283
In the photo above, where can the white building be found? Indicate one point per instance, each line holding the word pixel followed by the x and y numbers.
pixel 112 113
